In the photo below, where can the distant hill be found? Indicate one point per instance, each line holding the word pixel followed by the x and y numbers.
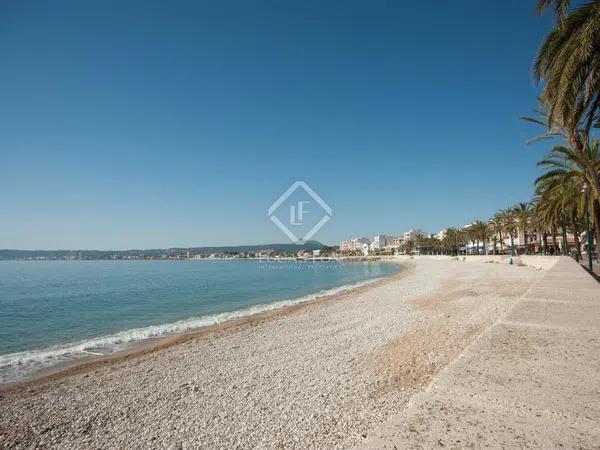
pixel 157 252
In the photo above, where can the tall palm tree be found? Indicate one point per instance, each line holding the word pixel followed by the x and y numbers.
pixel 420 240
pixel 463 239
pixel 562 201
pixel 560 7
pixel 470 235
pixel 480 231
pixel 567 61
pixel 540 223
pixel 568 65
pixel 549 213
pixel 522 215
pixel 496 228
pixel 453 240
pixel 509 225
pixel 551 206
pixel 563 168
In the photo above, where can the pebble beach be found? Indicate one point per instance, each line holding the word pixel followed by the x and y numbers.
pixel 318 375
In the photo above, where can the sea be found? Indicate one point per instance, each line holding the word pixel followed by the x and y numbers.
pixel 57 312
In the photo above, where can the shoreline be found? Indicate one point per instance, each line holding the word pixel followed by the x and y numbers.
pixel 322 374
pixel 154 344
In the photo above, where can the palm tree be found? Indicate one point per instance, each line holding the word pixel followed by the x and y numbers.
pixel 563 168
pixel 469 236
pixel 496 228
pixel 568 64
pixel 453 239
pixel 551 209
pixel 463 239
pixel 562 202
pixel 560 7
pixel 540 223
pixel 480 230
pixel 522 215
pixel 567 61
pixel 549 214
pixel 509 225
pixel 449 241
pixel 420 239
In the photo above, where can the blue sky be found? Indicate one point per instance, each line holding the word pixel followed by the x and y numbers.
pixel 139 124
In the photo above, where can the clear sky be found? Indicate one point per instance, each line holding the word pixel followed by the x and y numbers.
pixel 139 124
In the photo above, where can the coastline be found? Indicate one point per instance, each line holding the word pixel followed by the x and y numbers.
pixel 159 343
pixel 322 374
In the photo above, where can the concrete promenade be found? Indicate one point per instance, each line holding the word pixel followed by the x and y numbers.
pixel 530 381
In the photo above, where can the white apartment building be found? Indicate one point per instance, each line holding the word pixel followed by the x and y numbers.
pixel 381 241
pixel 346 245
pixel 410 235
pixel 442 234
pixel 354 245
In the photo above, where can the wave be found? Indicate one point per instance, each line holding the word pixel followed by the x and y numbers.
pixel 20 365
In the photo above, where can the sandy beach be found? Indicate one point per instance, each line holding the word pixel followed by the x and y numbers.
pixel 320 375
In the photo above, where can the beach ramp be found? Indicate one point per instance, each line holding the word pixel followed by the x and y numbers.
pixel 531 381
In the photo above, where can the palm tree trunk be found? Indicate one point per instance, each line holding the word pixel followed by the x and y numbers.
pixel 512 244
pixel 501 242
pixel 564 236
pixel 577 242
pixel 596 224
pixel 545 242
pixel 554 241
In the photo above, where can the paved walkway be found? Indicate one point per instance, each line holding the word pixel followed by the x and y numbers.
pixel 531 381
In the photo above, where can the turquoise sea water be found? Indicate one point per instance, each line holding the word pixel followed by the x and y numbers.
pixel 52 312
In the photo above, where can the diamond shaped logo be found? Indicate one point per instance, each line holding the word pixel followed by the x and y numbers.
pixel 293 214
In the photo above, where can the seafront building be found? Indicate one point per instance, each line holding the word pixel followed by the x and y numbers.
pixel 441 234
pixel 381 243
pixel 405 243
pixel 354 245
pixel 409 235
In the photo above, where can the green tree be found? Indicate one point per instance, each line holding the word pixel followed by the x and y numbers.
pixel 496 231
pixel 563 170
pixel 509 225
pixel 561 7
pixel 568 66
pixel 480 232
pixel 522 215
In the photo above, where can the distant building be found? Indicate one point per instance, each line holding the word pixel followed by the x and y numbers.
pixel 442 234
pixel 409 235
pixel 398 241
pixel 381 241
pixel 346 245
pixel 354 245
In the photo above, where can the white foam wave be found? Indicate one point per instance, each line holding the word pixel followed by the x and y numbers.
pixel 16 366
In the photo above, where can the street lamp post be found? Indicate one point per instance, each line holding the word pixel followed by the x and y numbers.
pixel 587 224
